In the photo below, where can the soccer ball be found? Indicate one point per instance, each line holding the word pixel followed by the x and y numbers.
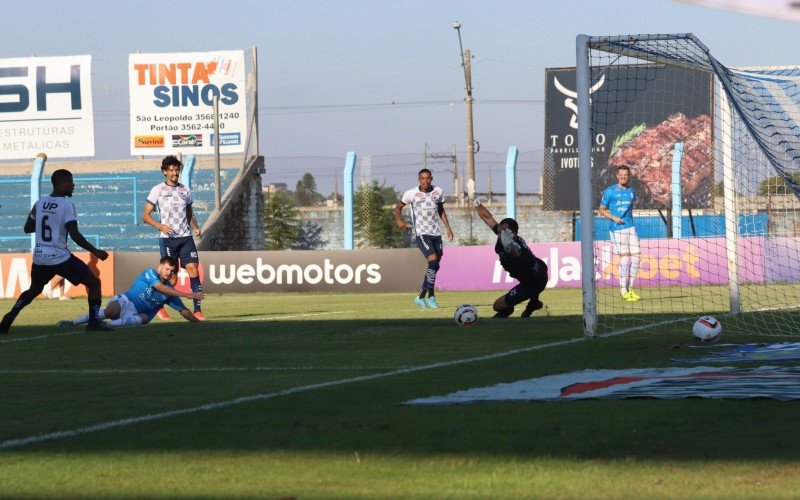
pixel 707 329
pixel 466 315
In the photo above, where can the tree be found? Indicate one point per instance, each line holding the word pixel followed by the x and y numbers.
pixel 777 185
pixel 306 191
pixel 309 236
pixel 281 222
pixel 375 220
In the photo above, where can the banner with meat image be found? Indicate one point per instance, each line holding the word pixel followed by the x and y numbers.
pixel 639 114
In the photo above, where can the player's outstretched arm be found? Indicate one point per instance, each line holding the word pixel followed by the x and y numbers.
pixel 187 314
pixel 485 214
pixel 81 241
pixel 171 292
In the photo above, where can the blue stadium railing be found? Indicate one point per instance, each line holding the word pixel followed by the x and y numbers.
pixel 109 208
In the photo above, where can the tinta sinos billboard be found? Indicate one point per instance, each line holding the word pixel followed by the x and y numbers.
pixel 639 113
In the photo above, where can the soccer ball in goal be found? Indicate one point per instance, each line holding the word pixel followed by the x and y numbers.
pixel 707 329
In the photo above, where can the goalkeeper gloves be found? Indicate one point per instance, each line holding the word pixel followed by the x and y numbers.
pixel 471 193
pixel 507 240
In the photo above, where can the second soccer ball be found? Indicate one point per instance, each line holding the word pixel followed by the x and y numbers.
pixel 707 329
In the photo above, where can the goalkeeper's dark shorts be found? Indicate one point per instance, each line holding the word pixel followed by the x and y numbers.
pixel 528 289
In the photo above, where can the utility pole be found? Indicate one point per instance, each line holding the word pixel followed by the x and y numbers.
pixel 454 167
pixel 466 63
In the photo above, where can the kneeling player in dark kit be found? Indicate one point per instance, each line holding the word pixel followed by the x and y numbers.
pixel 518 261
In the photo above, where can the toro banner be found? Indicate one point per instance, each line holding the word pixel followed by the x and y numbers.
pixel 639 113
pixel 46 107
pixel 172 98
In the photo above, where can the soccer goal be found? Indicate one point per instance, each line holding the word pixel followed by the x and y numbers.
pixel 714 158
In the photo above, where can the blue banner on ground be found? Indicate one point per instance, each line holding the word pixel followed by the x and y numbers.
pixel 725 382
pixel 786 351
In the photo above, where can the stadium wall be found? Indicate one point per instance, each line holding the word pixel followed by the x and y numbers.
pixel 239 223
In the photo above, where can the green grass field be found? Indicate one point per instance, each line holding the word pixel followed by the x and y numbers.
pixel 299 396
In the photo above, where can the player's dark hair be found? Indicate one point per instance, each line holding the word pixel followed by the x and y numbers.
pixel 60 176
pixel 624 167
pixel 168 260
pixel 512 224
pixel 424 171
pixel 170 161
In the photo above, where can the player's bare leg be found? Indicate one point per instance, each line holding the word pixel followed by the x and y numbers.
pixel 502 309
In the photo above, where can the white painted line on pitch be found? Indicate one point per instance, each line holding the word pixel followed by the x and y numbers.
pixel 39 337
pixel 307 315
pixel 112 371
pixel 52 436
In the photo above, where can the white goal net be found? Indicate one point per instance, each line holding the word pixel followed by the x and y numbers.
pixel 714 159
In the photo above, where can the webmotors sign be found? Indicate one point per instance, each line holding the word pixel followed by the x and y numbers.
pixel 172 98
pixel 46 107
pixel 392 270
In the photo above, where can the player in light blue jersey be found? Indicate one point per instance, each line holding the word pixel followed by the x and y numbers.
pixel 149 292
pixel 617 206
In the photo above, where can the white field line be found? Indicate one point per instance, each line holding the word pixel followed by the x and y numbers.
pixel 52 436
pixel 260 318
pixel 307 315
pixel 112 371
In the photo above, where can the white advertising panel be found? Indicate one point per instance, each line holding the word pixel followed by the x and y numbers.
pixel 46 107
pixel 172 99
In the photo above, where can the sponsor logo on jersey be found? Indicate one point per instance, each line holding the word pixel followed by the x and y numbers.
pixel 148 141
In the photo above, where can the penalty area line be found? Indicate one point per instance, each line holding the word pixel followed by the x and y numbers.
pixel 52 436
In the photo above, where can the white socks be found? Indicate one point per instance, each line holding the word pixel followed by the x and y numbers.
pixel 634 270
pixel 624 268
pixel 80 320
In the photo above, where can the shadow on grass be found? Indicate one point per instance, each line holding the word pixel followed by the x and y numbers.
pixel 336 385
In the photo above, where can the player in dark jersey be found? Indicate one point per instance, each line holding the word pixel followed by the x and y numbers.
pixel 52 219
pixel 518 261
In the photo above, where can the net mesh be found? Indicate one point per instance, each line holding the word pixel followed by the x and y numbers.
pixel 713 155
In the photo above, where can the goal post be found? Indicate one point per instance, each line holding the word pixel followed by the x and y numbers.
pixel 714 159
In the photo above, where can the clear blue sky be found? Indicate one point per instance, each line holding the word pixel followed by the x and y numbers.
pixel 322 53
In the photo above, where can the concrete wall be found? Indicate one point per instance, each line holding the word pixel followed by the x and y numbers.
pixel 239 225
pixel 536 225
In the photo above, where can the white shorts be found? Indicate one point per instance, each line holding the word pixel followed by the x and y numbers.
pixel 625 241
pixel 127 311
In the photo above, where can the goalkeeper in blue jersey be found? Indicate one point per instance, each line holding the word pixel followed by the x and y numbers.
pixel 617 206
pixel 149 292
